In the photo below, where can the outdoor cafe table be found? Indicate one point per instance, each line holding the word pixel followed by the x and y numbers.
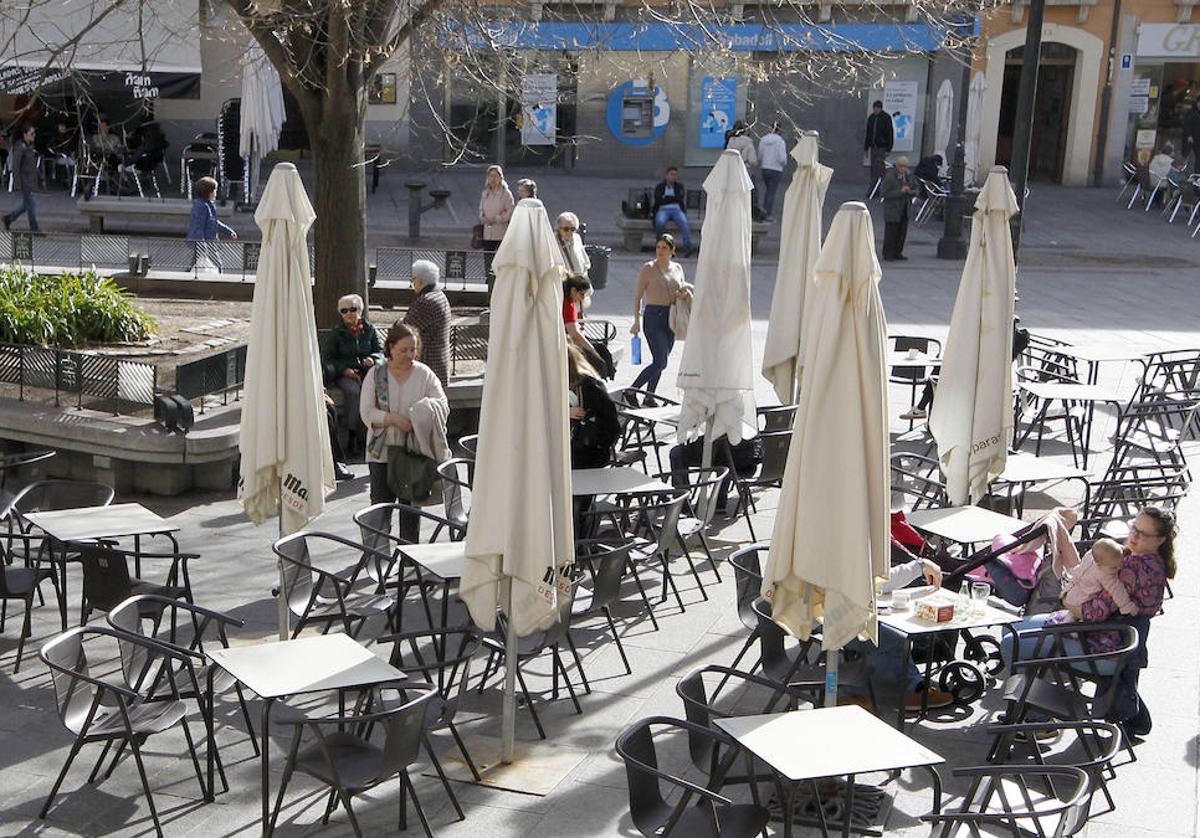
pixel 285 668
pixel 906 623
pixel 665 415
pixel 442 559
pixel 1068 393
pixel 1094 356
pixel 621 480
pixel 1027 469
pixel 965 525
pixel 89 523
pixel 807 745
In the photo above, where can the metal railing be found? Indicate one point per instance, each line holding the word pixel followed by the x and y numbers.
pixel 224 259
pixel 219 374
pixel 117 381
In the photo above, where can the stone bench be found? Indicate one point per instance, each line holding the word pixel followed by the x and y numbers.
pixel 635 230
pixel 96 209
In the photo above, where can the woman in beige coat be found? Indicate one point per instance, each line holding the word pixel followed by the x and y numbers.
pixel 495 208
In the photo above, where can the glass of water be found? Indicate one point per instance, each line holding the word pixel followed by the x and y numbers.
pixel 980 591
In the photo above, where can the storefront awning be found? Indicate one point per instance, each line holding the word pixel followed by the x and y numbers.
pixel 146 48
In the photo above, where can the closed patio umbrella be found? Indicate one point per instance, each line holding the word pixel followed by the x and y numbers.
pixel 972 419
pixel 944 119
pixel 831 537
pixel 716 372
pixel 261 115
pixel 800 242
pixel 520 540
pixel 287 467
pixel 974 126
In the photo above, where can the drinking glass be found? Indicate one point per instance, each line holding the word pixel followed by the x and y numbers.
pixel 980 591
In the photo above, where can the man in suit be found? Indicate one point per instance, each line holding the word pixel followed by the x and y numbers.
pixel 878 141
pixel 670 205
pixel 897 197
pixel 24 167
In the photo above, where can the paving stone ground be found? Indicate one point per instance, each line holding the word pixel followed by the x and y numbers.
pixel 1091 273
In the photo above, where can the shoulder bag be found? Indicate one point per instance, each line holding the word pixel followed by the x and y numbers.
pixel 410 475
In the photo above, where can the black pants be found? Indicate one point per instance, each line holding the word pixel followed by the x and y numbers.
pixel 339 456
pixel 894 234
pixel 381 492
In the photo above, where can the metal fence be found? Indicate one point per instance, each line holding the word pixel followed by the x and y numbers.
pixel 222 373
pixel 78 375
pixel 224 259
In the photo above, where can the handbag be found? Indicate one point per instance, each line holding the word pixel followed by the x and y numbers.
pixel 410 475
pixel 477 237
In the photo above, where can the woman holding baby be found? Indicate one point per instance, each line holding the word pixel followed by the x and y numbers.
pixel 1111 582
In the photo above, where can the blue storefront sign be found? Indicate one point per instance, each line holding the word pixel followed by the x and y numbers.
pixel 718 109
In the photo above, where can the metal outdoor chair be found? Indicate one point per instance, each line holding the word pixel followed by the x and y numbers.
pixel 935 196
pixel 1145 185
pixel 1153 429
pixel 94 710
pixel 457 475
pixel 1176 370
pixel 1187 198
pixel 605 566
pixel 913 375
pixel 777 418
pixel 314 595
pixel 1072 415
pixel 1128 179
pixel 468 445
pixel 21 584
pixel 800 667
pixel 637 433
pixel 1047 801
pixel 1113 501
pixel 107 582
pixel 703 489
pixel 342 756
pixel 712 814
pixel 655 521
pixel 916 483
pixel 769 474
pixel 442 658
pixel 11 464
pixel 747 577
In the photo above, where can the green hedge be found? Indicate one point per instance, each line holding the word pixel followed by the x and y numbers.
pixel 68 310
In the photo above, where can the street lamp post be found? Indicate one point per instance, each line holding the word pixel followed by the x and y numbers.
pixel 952 245
pixel 1031 60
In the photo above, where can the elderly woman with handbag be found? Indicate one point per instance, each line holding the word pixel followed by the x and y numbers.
pixel 405 410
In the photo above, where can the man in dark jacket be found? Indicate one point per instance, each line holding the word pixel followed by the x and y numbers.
pixel 670 205
pixel 1191 134
pixel 897 196
pixel 24 168
pixel 878 141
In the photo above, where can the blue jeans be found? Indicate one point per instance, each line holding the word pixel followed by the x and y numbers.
pixel 27 205
pixel 673 212
pixel 886 662
pixel 771 180
pixel 1029 645
pixel 656 329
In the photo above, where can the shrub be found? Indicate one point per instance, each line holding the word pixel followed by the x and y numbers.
pixel 68 310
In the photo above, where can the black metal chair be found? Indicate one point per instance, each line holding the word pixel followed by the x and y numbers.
pixel 107 582
pixel 1006 799
pixel 457 475
pixel 775 447
pixel 606 565
pixel 342 756
pixel 94 710
pixel 712 815
pixel 703 489
pixel 780 417
pixel 747 577
pixel 655 520
pixel 22 583
pixel 314 595
pixel 468 445
pixel 917 374
pixel 12 463
pixel 916 482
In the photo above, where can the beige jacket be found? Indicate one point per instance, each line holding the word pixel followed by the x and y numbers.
pixel 496 205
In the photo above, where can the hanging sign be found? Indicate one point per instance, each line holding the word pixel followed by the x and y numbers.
pixel 539 109
pixel 718 109
pixel 900 100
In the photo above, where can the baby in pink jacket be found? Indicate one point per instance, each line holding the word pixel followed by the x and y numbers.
pixel 1096 572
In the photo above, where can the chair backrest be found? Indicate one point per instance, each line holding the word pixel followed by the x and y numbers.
pixel 67 660
pixel 747 575
pixel 136 660
pixel 608 564
pixel 106 580
pixel 659 518
pixel 916 478
pixel 50 495
pixel 468 444
pixel 296 571
pixel 372 528
pixel 403 729
pixel 457 475
pixel 701 485
pixel 1045 354
pixel 778 418
pixel 1175 370
pixel 441 657
pixel 775 447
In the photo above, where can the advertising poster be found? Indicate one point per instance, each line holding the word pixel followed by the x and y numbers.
pixel 539 109
pixel 900 100
pixel 718 108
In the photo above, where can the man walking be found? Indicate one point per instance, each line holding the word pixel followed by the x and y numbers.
pixel 772 159
pixel 24 168
pixel 669 205
pixel 897 196
pixel 878 141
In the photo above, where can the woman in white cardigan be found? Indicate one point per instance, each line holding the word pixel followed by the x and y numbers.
pixel 410 410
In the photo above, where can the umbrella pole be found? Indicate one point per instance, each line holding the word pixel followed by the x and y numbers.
pixel 508 720
pixel 832 658
pixel 281 600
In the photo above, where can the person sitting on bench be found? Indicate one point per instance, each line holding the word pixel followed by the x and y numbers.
pixel 669 205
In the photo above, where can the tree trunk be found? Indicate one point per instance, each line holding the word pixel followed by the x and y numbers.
pixel 340 201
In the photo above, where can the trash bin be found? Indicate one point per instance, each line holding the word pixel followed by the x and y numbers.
pixel 598 254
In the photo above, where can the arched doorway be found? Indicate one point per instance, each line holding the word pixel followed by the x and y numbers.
pixel 1051 110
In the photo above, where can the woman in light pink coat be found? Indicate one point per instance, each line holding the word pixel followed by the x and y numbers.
pixel 495 208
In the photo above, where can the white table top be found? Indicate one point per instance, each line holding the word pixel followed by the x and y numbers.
pixel 444 559
pixel 614 481
pixel 1065 391
pixel 826 742
pixel 91 522
pixel 964 524
pixel 1029 468
pixel 920 359
pixel 666 415
pixel 906 621
pixel 307 664
pixel 1095 354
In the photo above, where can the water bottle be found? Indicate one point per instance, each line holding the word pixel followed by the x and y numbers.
pixel 635 349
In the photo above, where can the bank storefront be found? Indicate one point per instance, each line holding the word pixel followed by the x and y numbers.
pixel 622 97
pixel 1165 83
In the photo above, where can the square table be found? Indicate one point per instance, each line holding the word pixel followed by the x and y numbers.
pixel 665 415
pixel 621 480
pixel 806 745
pixel 906 623
pixel 1094 356
pixel 89 523
pixel 294 667
pixel 1025 469
pixel 443 559
pixel 965 525
pixel 1067 392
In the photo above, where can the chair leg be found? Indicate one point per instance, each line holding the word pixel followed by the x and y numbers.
pixel 529 703
pixel 587 688
pixel 645 598
pixel 462 749
pixel 407 781
pixel 617 637
pixel 61 776
pixel 120 752
pixel 437 766
pixel 345 796
pixel 26 630
pixel 187 735
pixel 750 641
pixel 669 580
pixel 567 680
pixel 99 762
pixel 137 756
pixel 246 715
pixel 708 552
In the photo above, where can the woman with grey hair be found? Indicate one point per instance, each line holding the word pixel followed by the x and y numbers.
pixel 429 314
pixel 578 263
pixel 526 188
pixel 355 348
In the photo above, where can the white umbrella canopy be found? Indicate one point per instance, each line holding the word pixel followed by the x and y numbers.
pixel 944 119
pixel 716 372
pixel 521 523
pixel 831 538
pixel 800 236
pixel 286 459
pixel 262 112
pixel 974 119
pixel 972 420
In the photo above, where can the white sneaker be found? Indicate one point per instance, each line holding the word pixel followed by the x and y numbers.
pixel 913 415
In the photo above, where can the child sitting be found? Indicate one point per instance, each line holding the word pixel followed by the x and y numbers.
pixel 1098 571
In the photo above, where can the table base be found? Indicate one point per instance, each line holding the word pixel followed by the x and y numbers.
pixel 864 812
